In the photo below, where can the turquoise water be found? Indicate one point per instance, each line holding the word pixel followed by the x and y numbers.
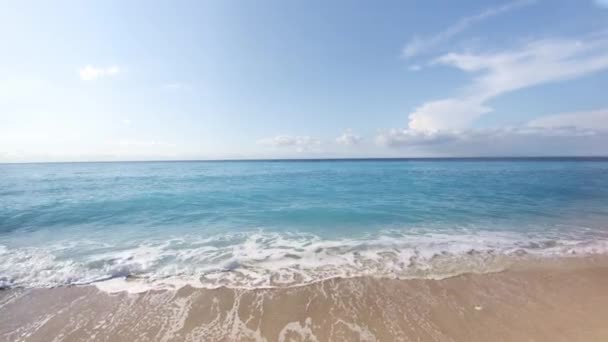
pixel 282 223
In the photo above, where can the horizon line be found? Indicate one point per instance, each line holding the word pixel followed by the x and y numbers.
pixel 338 159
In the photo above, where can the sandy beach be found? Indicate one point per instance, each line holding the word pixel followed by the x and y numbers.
pixel 552 300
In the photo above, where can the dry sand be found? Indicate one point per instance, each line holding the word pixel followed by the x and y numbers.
pixel 557 300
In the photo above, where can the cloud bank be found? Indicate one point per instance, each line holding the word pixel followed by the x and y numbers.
pixel 575 133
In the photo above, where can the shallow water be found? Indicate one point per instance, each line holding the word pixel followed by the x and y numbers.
pixel 284 223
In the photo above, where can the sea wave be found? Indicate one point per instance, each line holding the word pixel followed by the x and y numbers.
pixel 260 259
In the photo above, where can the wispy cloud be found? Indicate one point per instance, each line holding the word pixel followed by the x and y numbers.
pixel 91 73
pixel 419 45
pixel 535 63
pixel 348 138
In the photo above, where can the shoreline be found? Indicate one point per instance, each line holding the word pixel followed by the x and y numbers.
pixel 563 299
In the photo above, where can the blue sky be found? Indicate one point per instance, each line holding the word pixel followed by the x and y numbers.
pixel 133 80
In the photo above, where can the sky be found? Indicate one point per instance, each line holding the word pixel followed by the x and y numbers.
pixel 155 80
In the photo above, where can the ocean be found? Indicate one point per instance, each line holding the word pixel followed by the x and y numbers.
pixel 261 224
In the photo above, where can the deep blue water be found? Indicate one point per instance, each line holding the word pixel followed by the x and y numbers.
pixel 260 223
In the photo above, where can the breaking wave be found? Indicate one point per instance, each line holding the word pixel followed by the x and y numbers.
pixel 260 259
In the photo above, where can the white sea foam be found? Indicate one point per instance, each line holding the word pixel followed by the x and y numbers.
pixel 271 259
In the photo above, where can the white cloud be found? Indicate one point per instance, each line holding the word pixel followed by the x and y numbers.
pixel 348 138
pixel 91 73
pixel 444 114
pixel 535 63
pixel 419 45
pixel 300 143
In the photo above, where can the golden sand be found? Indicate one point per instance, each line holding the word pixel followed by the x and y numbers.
pixel 559 300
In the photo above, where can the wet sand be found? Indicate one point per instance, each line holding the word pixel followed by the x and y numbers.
pixel 558 300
